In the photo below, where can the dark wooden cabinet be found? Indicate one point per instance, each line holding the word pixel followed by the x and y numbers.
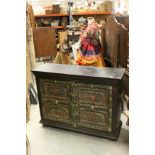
pixel 80 98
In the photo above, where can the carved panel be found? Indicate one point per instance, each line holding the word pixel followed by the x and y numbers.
pixel 94 119
pixel 94 95
pixel 56 112
pixel 55 89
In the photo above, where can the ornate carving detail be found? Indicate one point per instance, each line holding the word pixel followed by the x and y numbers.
pixel 53 111
pixel 55 89
pixel 94 94
pixel 94 102
pixel 85 105
pixel 94 119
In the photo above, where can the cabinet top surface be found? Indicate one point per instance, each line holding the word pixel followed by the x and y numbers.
pixel 76 70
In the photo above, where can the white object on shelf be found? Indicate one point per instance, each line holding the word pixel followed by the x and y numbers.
pixel 55 23
pixel 38 10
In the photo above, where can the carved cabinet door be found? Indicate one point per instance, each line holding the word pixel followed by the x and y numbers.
pixel 56 100
pixel 94 106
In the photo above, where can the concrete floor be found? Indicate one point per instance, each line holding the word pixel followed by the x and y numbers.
pixel 53 141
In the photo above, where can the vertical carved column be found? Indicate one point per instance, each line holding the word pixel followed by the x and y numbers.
pixel 74 103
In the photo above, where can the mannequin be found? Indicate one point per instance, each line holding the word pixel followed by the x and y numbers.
pixel 89 53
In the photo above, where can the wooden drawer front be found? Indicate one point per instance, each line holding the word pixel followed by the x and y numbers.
pixel 94 95
pixel 55 89
pixel 100 120
pixel 56 112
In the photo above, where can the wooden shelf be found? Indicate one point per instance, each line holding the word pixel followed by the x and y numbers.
pixel 74 14
pixel 91 13
pixel 56 27
pixel 52 15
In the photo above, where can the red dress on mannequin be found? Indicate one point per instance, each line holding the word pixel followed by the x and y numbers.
pixel 90 50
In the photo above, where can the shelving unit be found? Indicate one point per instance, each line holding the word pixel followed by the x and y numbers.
pixel 61 27
pixel 97 15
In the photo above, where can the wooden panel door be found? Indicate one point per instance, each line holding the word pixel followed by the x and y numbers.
pixel 56 100
pixel 44 42
pixel 94 105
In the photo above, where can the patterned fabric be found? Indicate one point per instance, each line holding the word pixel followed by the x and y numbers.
pixel 96 61
pixel 90 50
